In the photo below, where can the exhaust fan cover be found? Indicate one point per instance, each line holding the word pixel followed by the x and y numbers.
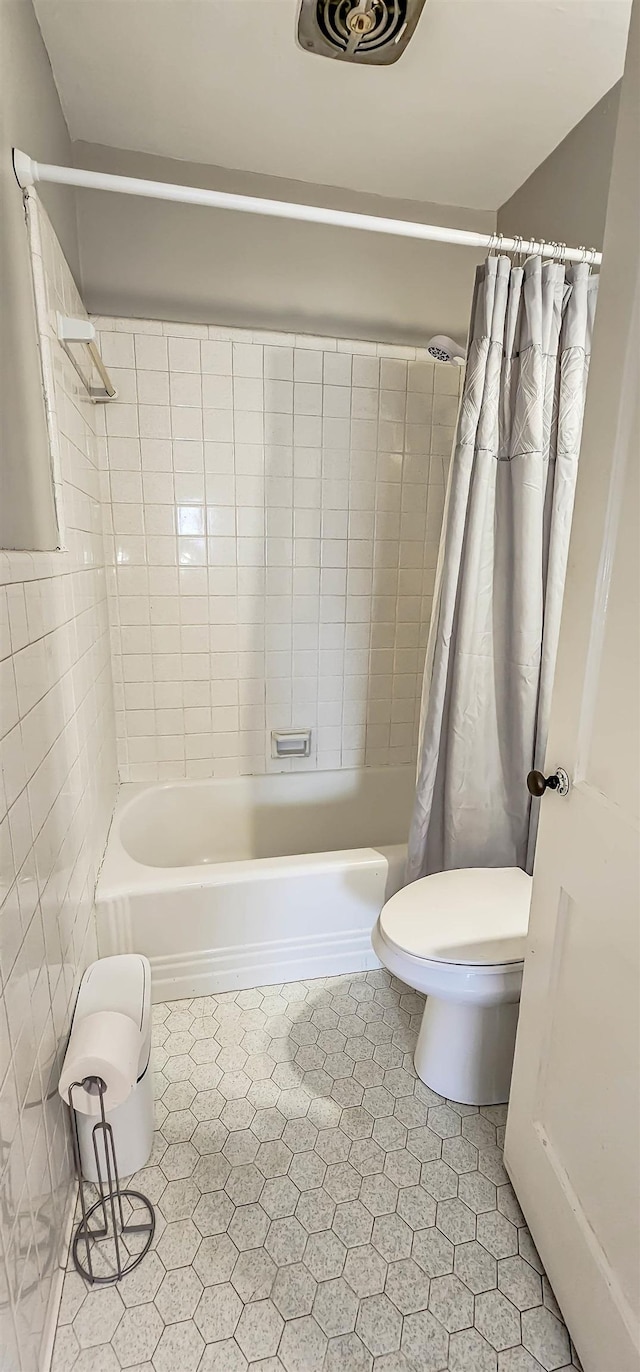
pixel 369 31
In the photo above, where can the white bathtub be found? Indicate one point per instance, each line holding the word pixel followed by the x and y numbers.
pixel 231 884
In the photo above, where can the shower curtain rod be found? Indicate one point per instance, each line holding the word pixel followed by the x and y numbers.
pixel 29 173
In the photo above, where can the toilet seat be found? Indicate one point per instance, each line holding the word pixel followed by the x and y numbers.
pixel 475 918
pixel 464 983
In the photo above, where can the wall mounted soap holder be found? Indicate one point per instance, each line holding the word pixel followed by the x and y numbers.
pixel 290 743
pixel 83 331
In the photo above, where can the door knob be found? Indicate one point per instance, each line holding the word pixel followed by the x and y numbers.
pixel 538 783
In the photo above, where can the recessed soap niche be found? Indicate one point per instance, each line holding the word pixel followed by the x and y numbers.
pixel 290 743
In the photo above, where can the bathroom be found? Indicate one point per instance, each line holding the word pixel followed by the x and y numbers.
pixel 232 482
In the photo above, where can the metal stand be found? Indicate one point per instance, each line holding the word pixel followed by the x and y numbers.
pixel 114 1240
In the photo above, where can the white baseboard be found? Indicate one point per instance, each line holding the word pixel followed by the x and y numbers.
pixel 203 972
pixel 55 1295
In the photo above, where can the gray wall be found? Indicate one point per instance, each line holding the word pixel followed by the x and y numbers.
pixel 565 199
pixel 149 258
pixel 31 120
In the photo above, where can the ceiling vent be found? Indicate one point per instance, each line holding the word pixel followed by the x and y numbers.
pixel 369 31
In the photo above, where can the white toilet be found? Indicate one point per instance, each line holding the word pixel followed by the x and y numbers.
pixel 459 937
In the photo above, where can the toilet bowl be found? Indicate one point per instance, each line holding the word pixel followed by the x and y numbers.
pixel 459 937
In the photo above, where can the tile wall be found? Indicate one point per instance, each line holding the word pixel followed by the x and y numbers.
pixel 57 787
pixel 273 507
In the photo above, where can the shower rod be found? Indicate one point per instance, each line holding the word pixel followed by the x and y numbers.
pixel 29 173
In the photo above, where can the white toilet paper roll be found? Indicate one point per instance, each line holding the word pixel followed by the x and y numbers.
pixel 105 1044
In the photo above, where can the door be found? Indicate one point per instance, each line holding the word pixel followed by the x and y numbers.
pixel 573 1140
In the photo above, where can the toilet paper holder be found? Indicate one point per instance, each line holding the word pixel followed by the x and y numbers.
pixel 112 1200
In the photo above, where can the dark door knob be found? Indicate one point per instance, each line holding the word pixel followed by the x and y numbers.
pixel 538 783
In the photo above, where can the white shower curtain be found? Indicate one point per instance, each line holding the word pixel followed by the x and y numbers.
pixel 496 615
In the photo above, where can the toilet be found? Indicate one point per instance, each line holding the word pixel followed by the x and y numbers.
pixel 459 938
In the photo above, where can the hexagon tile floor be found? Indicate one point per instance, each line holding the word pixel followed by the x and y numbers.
pixel 319 1209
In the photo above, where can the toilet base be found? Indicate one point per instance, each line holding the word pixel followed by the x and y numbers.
pixel 465 1052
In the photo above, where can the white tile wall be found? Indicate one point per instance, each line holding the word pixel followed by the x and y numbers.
pixel 273 507
pixel 57 752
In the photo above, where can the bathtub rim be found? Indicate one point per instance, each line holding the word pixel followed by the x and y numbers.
pixel 136 878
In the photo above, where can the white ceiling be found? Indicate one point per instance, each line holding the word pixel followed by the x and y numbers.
pixel 485 90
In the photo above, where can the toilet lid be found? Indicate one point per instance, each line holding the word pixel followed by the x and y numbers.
pixel 477 916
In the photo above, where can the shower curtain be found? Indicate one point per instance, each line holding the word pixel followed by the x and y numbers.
pixel 503 554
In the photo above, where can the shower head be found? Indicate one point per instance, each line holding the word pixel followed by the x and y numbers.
pixel 371 31
pixel 443 349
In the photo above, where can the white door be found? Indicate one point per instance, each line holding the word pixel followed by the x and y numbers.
pixel 573 1139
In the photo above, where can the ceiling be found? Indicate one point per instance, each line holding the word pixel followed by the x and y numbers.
pixel 484 92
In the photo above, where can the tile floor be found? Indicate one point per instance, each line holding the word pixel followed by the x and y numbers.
pixel 319 1209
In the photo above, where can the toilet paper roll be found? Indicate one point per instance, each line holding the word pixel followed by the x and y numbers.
pixel 105 1044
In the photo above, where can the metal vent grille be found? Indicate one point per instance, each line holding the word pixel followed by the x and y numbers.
pixel 374 31
pixel 344 23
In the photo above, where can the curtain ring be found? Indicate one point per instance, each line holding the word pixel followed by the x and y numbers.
pixel 583 252
pixel 495 243
pixel 593 252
